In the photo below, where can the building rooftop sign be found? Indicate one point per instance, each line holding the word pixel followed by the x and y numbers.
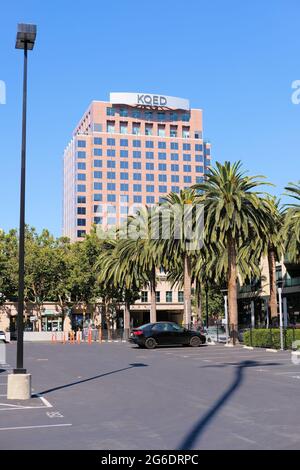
pixel 146 99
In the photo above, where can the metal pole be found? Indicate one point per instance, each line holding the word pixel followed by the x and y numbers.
pixel 19 369
pixel 226 317
pixel 280 317
pixel 206 305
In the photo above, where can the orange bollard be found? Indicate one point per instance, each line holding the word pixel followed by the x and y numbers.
pixel 78 337
pixel 72 337
pixel 53 338
pixel 63 338
pixel 89 337
pixel 100 335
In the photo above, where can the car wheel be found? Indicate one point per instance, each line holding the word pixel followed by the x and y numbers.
pixel 150 343
pixel 195 341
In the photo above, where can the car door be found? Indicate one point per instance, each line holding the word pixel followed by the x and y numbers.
pixel 162 334
pixel 180 335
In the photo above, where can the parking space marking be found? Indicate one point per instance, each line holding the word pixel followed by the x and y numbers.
pixel 35 427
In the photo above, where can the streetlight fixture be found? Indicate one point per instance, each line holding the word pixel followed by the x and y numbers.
pixel 19 383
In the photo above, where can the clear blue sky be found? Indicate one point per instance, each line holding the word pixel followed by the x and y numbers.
pixel 235 60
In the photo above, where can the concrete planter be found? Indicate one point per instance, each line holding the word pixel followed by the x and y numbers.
pixel 39 335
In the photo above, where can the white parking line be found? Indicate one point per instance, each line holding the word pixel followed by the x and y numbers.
pixel 38 426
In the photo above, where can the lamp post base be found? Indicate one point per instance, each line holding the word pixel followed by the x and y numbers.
pixel 19 386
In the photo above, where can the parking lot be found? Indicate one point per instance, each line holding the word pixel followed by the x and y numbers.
pixel 117 396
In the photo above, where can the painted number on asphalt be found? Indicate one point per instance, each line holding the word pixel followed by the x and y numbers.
pixel 54 414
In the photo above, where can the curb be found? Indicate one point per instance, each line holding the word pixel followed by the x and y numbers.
pixel 228 345
pixel 210 343
pixel 271 350
pixel 251 348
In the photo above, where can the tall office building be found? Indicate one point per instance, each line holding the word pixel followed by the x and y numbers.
pixel 130 151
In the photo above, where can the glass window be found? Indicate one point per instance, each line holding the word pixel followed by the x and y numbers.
pixel 97 220
pixel 81 143
pixel 81 166
pixel 111 153
pixel 187 179
pixel 123 210
pixel 110 111
pixel 124 142
pixel 207 151
pixel 98 186
pixel 169 297
pixel 124 153
pixel 111 221
pixel 162 178
pixel 174 156
pixel 137 176
pixel 174 145
pixel 186 157
pixel 137 165
pixel 173 131
pixel 199 179
pixel 149 129
pixel 162 145
pixel 97 197
pixel 110 126
pixel 136 143
pixel 162 155
pixel 174 167
pixel 162 167
pixel 81 222
pixel 124 165
pixel 187 168
pixel 81 154
pixel 81 200
pixel 162 189
pixel 97 127
pixel 175 178
pixel 111 141
pixel 185 117
pixel 198 135
pixel 144 296
pixel 111 175
pixel 185 132
pixel 150 188
pixel 199 168
pixel 97 152
pixel 175 189
pixel 123 175
pixel 137 199
pixel 98 174
pixel 81 210
pixel 149 144
pixel 150 155
pixel 97 141
pixel 124 187
pixel 111 198
pixel 137 188
pixel 136 113
pixel 173 116
pixel 123 128
pixel 81 188
pixel 81 233
pixel 136 128
pixel 180 296
pixel 150 200
pixel 149 166
pixel 97 208
pixel 148 115
pixel 149 177
pixel 157 294
pixel 123 112
pixel 111 186
pixel 97 163
pixel 161 116
pixel 199 158
pixel 111 164
pixel 137 154
pixel 161 130
pixel 186 146
pixel 198 147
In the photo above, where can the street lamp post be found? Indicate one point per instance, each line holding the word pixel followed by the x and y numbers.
pixel 206 303
pixel 19 382
pixel 280 317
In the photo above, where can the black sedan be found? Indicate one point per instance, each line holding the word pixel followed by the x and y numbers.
pixel 165 333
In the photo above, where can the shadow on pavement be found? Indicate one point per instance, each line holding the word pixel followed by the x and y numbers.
pixel 60 387
pixel 189 440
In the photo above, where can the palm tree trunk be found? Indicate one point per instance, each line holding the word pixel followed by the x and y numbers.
pixel 199 302
pixel 232 290
pixel 272 277
pixel 187 290
pixel 126 325
pixel 153 297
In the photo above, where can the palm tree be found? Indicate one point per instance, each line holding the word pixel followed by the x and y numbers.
pixel 292 222
pixel 177 250
pixel 234 214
